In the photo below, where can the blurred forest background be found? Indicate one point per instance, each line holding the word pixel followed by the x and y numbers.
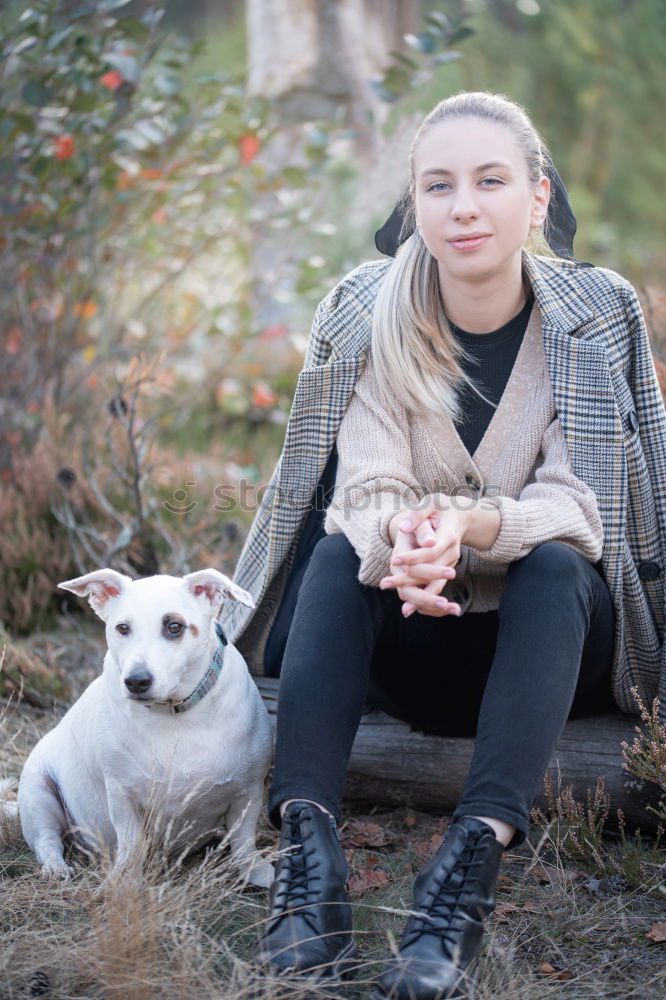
pixel 180 185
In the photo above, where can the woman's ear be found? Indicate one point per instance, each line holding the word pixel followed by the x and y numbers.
pixel 540 203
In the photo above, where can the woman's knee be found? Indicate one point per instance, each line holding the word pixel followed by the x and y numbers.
pixel 550 568
pixel 552 560
pixel 335 549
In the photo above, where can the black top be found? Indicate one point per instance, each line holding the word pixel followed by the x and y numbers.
pixel 496 352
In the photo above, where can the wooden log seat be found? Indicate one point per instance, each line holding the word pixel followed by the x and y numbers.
pixel 393 764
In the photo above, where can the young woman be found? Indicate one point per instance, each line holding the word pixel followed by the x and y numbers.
pixel 493 555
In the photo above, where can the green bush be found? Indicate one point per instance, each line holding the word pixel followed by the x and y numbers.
pixel 112 183
pixel 120 173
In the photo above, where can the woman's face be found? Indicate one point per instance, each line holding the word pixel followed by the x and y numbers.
pixel 471 181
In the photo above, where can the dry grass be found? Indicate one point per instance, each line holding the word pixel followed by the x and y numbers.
pixel 555 932
pixel 161 935
pixel 97 488
pixel 189 934
pixel 189 931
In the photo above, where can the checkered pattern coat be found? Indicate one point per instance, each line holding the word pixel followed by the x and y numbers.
pixel 607 395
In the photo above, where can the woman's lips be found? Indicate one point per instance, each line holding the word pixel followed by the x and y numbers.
pixel 469 244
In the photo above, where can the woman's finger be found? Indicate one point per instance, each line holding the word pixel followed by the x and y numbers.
pixel 418 573
pixel 425 533
pixel 416 517
pixel 447 556
pixel 435 587
pixel 419 599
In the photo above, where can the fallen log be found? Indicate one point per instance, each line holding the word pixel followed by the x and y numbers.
pixel 393 764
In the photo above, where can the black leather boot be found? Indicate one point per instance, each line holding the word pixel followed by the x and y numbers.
pixel 440 946
pixel 310 926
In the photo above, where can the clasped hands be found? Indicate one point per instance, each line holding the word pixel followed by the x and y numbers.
pixel 426 547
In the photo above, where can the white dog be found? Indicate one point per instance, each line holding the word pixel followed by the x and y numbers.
pixel 175 725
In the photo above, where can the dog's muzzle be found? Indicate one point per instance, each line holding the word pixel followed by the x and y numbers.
pixel 138 682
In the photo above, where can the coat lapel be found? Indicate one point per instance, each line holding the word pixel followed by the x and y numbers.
pixel 584 398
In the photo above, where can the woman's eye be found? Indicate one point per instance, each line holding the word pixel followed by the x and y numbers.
pixel 122 628
pixel 445 186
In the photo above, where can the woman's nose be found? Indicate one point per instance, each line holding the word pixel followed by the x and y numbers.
pixel 464 204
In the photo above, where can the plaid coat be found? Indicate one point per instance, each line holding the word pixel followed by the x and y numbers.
pixel 607 395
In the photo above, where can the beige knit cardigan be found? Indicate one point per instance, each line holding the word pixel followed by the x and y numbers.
pixel 521 466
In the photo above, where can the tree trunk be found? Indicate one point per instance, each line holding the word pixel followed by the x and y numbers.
pixel 392 764
pixel 314 59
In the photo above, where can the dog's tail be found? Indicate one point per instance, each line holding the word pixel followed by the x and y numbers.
pixel 8 806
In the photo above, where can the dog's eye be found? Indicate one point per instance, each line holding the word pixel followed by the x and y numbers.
pixel 174 628
pixel 123 628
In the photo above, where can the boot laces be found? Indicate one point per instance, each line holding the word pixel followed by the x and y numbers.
pixel 442 912
pixel 298 880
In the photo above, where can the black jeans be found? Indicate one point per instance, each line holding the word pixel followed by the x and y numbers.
pixel 510 677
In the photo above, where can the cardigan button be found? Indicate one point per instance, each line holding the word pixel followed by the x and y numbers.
pixel 649 570
pixel 473 482
pixel 632 421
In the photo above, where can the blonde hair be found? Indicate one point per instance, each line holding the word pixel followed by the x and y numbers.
pixel 415 354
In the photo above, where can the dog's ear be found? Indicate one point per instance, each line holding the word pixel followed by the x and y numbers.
pixel 211 588
pixel 99 587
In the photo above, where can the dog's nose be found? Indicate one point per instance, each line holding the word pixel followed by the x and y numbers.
pixel 138 682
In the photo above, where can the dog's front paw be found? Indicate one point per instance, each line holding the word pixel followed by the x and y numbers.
pixel 57 869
